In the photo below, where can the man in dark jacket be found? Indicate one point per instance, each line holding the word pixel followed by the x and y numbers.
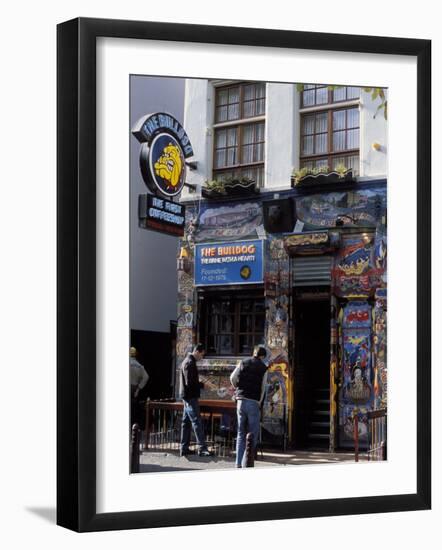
pixel 249 380
pixel 190 393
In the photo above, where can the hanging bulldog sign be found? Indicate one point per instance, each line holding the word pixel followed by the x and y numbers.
pixel 165 146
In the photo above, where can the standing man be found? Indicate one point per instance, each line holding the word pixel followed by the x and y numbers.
pixel 138 379
pixel 249 381
pixel 190 393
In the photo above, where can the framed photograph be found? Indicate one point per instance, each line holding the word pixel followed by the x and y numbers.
pixel 226 200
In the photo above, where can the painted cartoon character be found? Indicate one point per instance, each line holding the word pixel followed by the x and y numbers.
pixel 358 389
pixel 169 165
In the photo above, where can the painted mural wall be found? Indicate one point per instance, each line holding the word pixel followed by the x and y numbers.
pixel 358 370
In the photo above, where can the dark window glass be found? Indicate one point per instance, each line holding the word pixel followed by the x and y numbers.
pixel 233 325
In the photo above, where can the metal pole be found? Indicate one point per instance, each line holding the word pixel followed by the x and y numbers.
pixel 356 435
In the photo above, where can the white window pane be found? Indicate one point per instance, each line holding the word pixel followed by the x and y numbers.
pixel 233 111
pixel 354 164
pixel 249 92
pixel 353 92
pixel 308 98
pixel 221 114
pixel 249 108
pixel 231 156
pixel 308 125
pixel 219 159
pixel 260 106
pixel 247 154
pixel 321 162
pixel 352 118
pixel 321 96
pixel 259 151
pixel 307 145
pixel 220 138
pixel 321 143
pixel 339 160
pixel 338 120
pixel 261 89
pixel 259 132
pixel 234 95
pixel 339 141
pixel 321 123
pixel 339 94
pixel 353 139
pixel 247 134
pixel 222 97
pixel 231 137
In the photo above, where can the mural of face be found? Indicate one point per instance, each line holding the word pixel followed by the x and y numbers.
pixel 169 165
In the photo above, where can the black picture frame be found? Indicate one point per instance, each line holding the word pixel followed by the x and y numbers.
pixel 76 274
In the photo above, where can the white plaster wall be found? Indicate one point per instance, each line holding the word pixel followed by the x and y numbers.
pixel 374 129
pixel 198 117
pixel 281 135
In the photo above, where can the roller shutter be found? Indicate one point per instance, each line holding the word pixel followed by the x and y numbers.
pixel 311 270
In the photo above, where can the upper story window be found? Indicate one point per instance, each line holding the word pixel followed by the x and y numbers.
pixel 238 141
pixel 329 132
pixel 320 94
pixel 240 101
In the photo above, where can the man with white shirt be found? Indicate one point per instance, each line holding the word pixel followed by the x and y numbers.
pixel 249 380
pixel 138 379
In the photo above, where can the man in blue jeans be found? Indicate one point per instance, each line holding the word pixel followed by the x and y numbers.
pixel 190 393
pixel 249 380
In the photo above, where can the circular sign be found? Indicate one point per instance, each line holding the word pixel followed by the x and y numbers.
pixel 165 147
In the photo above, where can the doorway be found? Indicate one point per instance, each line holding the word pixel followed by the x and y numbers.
pixel 312 369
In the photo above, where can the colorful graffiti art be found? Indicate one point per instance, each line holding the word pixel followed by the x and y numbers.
pixel 356 394
pixel 354 272
pixel 321 211
pixel 380 349
pixel 227 221
pixel 276 404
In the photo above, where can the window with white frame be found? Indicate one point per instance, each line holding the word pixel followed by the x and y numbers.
pixel 239 126
pixel 330 126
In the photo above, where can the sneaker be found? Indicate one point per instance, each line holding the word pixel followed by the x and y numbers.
pixel 205 452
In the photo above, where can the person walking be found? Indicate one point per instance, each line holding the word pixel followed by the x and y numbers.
pixel 138 379
pixel 249 380
pixel 190 394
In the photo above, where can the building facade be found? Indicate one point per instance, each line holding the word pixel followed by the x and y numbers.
pixel 285 245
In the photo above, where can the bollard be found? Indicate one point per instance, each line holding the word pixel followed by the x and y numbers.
pixel 356 436
pixel 147 426
pixel 249 455
pixel 135 450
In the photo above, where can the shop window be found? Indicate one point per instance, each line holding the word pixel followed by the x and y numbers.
pixel 232 325
pixel 238 142
pixel 329 133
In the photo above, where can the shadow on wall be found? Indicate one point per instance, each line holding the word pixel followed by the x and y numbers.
pixel 154 352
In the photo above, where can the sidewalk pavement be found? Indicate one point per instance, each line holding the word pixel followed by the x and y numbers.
pixel 169 460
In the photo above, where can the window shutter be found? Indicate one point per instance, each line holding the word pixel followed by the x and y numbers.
pixel 311 270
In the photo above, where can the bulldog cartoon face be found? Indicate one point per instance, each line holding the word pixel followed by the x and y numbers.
pixel 169 165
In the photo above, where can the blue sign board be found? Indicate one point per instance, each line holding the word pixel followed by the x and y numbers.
pixel 229 263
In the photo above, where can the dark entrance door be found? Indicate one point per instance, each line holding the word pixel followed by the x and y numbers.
pixel 312 369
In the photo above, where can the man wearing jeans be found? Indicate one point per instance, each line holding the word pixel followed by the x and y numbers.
pixel 249 381
pixel 190 393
